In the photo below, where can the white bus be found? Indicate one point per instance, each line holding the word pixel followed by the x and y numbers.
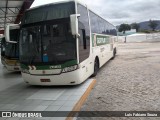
pixel 10 48
pixel 64 44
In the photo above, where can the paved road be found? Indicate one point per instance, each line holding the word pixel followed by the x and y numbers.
pixel 8 79
pixel 130 82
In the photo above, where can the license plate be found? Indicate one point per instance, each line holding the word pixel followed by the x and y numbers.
pixel 45 80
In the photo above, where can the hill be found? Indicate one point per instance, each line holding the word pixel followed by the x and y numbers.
pixel 144 25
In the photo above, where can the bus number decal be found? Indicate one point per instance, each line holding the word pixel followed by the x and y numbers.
pixel 55 67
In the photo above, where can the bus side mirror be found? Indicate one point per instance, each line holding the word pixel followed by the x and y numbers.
pixel 7 32
pixel 74 24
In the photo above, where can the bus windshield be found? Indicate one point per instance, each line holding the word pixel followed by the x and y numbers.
pixel 12 49
pixel 49 42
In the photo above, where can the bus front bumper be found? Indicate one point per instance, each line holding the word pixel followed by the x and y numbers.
pixel 11 65
pixel 15 68
pixel 70 78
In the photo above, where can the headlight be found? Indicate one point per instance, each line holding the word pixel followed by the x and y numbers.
pixel 69 69
pixel 25 71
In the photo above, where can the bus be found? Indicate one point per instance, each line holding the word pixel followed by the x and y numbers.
pixel 10 50
pixel 64 43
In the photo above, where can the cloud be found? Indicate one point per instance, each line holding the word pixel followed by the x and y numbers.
pixel 126 11
pixel 121 11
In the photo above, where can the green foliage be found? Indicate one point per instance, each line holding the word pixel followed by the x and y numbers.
pixel 124 27
pixel 145 31
pixel 153 24
pixel 135 26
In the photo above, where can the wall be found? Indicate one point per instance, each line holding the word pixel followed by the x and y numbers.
pixel 141 38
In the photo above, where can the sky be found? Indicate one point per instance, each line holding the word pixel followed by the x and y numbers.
pixel 120 11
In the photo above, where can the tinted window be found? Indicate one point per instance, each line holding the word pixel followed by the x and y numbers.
pixel 84 31
pixel 12 50
pixel 94 22
pixel 49 12
pixel 58 43
pixel 49 43
pixel 101 26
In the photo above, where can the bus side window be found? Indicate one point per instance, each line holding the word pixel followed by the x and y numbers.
pixel 82 39
pixel 84 31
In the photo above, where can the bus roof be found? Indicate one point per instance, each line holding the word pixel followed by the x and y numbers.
pixel 45 5
pixel 65 1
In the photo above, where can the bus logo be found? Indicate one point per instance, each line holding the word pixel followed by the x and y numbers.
pixel 43 72
pixel 6 114
pixel 32 67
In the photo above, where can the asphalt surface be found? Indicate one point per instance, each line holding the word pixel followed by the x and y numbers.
pixel 130 82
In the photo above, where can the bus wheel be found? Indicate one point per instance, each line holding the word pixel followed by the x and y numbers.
pixel 114 53
pixel 96 67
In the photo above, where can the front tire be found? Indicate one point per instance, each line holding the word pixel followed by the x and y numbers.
pixel 96 67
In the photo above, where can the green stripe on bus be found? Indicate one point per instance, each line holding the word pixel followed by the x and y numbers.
pixel 50 67
pixel 24 67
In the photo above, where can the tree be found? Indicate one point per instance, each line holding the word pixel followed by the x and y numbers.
pixel 124 27
pixel 153 24
pixel 135 26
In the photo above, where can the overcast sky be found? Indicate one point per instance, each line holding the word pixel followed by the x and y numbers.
pixel 120 11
